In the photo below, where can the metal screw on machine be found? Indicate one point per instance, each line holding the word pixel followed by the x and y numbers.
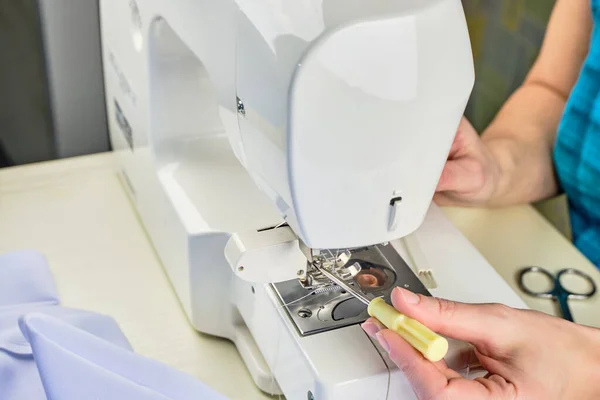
pixel 304 313
pixel 240 107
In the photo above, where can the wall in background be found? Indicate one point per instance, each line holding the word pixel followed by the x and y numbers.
pixel 51 84
pixel 506 36
pixel 26 133
pixel 71 32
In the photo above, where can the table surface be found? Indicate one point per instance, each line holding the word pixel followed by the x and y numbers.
pixel 76 212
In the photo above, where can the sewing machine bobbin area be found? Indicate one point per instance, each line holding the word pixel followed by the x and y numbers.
pixel 325 308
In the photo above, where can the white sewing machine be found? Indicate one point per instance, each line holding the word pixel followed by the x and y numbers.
pixel 255 135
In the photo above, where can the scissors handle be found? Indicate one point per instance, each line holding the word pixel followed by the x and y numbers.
pixel 557 291
pixel 557 287
pixel 546 295
pixel 582 275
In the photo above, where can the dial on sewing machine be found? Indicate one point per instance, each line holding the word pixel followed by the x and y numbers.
pixel 256 136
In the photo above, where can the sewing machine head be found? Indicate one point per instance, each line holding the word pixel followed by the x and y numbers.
pixel 347 117
pixel 260 137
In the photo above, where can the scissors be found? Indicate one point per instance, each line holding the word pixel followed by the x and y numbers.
pixel 558 292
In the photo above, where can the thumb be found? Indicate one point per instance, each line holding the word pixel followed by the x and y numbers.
pixel 484 325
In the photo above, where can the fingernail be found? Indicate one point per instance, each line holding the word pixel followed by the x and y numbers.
pixel 382 342
pixel 408 296
pixel 370 328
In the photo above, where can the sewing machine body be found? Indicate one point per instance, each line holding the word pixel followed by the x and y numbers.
pixel 232 117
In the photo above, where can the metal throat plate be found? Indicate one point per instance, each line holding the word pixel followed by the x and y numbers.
pixel 383 270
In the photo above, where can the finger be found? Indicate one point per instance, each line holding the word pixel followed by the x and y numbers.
pixel 484 325
pixel 425 378
pixel 372 326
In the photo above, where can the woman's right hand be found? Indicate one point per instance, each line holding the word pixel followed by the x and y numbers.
pixel 529 355
pixel 471 175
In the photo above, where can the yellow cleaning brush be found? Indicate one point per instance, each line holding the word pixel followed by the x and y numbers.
pixel 433 346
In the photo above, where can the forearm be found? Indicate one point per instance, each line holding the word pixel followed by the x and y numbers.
pixel 521 138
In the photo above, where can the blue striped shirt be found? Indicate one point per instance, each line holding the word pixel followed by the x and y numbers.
pixel 577 150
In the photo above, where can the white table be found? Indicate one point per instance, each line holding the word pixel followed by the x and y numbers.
pixel 76 212
pixel 515 237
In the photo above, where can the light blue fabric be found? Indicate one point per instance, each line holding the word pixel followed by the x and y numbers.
pixel 56 353
pixel 577 150
pixel 25 279
pixel 26 286
pixel 19 375
pixel 76 365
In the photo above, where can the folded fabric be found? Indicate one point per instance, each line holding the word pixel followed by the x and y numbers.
pixel 74 365
pixel 57 353
pixel 19 375
pixel 26 286
pixel 25 279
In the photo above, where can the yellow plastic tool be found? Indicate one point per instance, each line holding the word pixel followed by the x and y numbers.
pixel 433 346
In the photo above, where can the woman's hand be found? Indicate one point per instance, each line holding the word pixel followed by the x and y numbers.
pixel 471 174
pixel 528 355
